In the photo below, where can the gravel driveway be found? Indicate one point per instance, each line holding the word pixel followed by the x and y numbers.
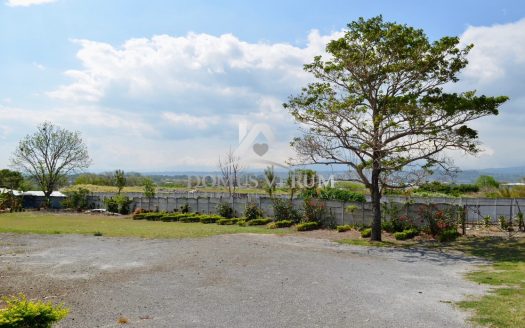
pixel 235 281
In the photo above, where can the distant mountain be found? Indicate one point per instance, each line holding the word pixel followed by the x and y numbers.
pixel 507 174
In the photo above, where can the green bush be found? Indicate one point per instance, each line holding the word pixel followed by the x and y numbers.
pixel 341 195
pixel 118 204
pixel 210 218
pixel 252 211
pixel 343 228
pixel 139 216
pixel 185 208
pixel 261 221
pixel 366 233
pixel 448 189
pixel 22 313
pixel 307 226
pixel 225 210
pixel 283 224
pixel 242 222
pixel 272 225
pixel 170 217
pixel 190 218
pixel 449 234
pixel 227 221
pixel 406 234
pixel 283 210
pixel 77 199
pixel 153 216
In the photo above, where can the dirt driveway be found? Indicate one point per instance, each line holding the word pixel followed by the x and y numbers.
pixel 235 281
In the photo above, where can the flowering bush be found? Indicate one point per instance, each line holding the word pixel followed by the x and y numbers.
pixel 20 312
pixel 438 221
pixel 314 210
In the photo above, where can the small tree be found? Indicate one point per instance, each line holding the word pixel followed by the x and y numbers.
pixel 230 168
pixel 379 107
pixel 270 182
pixel 49 155
pixel 11 179
pixel 120 180
pixel 149 190
pixel 487 181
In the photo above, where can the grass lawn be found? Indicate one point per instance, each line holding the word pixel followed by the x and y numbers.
pixel 49 223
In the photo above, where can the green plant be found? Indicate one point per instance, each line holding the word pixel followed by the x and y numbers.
pixel 307 226
pixel 242 223
pixel 98 234
pixel 343 228
pixel 341 195
pixel 118 204
pixel 503 222
pixel 283 210
pixel 261 221
pixel 227 221
pixel 22 313
pixel 111 205
pixel 210 218
pixel 314 209
pixel 225 210
pixel 272 225
pixel 77 199
pixel 486 221
pixel 190 219
pixel 252 211
pixel 185 208
pixel 406 234
pixel 366 233
pixel 521 224
pixel 281 224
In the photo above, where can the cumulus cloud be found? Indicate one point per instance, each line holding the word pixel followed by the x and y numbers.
pixel 497 67
pixel 27 3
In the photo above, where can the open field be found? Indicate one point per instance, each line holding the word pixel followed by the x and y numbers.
pixel 48 223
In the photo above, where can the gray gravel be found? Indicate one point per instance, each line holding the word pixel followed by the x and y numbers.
pixel 236 281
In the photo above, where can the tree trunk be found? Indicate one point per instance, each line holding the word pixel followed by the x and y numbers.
pixel 376 205
pixel 47 199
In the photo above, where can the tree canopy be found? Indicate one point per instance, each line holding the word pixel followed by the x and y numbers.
pixel 378 105
pixel 49 155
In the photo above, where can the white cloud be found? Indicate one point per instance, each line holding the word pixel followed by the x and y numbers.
pixel 26 3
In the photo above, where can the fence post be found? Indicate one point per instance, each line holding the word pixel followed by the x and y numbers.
pixel 464 221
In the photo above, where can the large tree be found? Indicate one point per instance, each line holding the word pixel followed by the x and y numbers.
pixel 49 155
pixel 378 105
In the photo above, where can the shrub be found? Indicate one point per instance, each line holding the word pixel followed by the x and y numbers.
pixel 447 189
pixel 307 226
pixel 77 199
pixel 225 210
pixel 283 210
pixel 521 223
pixel 366 233
pixel 486 221
pixel 170 217
pixel 210 218
pixel 252 211
pixel 118 204
pixel 242 222
pixel 111 205
pixel 341 195
pixel 227 221
pixel 272 225
pixel 261 221
pixel 343 228
pixel 192 218
pixel 449 234
pixel 406 234
pixel 283 224
pixel 153 216
pixel 21 312
pixel 185 208
pixel 140 216
pixel 503 223
pixel 438 220
pixel 314 210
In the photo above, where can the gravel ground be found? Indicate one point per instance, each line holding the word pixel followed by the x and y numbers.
pixel 236 281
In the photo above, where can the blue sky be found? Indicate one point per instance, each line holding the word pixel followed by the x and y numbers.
pixel 163 85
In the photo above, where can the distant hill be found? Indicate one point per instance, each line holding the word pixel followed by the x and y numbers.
pixel 507 174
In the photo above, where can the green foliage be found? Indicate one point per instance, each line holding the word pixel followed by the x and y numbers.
pixel 487 181
pixel 487 220
pixel 261 221
pixel 226 221
pixel 503 223
pixel 77 199
pixel 521 223
pixel 366 233
pixel 314 210
pixel 11 179
pixel 447 189
pixel 307 226
pixel 341 195
pixel 225 210
pixel 283 210
pixel 190 219
pixel 270 181
pixel 9 201
pixel 439 220
pixel 185 208
pixel 447 235
pixel 149 188
pixel 252 211
pixel 118 204
pixel 111 205
pixel 406 234
pixel 120 180
pixel 343 228
pixel 210 218
pixel 22 313
pixel 283 224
